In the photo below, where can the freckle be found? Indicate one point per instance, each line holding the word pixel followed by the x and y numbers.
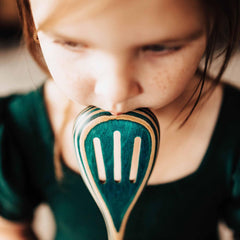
pixel 158 83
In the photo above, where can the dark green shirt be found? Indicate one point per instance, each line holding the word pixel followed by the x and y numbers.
pixel 188 208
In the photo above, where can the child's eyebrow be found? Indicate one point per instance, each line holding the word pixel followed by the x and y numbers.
pixel 185 38
pixel 170 40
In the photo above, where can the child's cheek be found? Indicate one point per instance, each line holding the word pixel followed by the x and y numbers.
pixel 76 85
pixel 70 76
pixel 168 79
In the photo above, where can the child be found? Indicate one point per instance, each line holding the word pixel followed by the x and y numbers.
pixel 119 56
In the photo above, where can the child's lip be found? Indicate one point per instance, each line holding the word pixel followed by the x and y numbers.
pixel 116 113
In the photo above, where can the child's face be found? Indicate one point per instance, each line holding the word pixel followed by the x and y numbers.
pixel 131 54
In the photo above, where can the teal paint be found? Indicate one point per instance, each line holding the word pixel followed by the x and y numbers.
pixel 117 195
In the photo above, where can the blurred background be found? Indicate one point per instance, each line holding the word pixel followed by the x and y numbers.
pixel 19 73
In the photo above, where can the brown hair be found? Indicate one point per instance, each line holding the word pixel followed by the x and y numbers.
pixel 223 40
pixel 30 33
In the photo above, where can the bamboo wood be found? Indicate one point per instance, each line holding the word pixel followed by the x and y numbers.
pixel 116 155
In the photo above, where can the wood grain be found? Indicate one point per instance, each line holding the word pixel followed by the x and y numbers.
pixel 116 155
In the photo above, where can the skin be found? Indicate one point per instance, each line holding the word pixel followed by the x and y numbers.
pixel 100 59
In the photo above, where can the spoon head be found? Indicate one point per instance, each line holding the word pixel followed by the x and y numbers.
pixel 116 155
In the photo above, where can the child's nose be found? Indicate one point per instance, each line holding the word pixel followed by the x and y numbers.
pixel 117 86
pixel 116 90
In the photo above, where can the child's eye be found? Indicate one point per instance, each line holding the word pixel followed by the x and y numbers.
pixel 159 49
pixel 74 46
